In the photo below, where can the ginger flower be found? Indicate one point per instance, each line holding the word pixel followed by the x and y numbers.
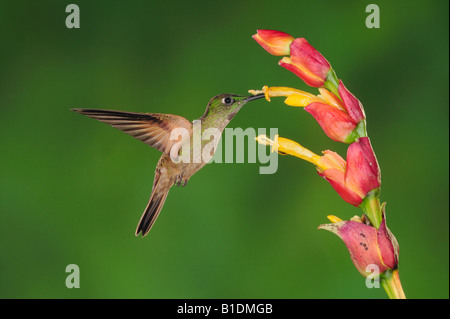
pixel 353 179
pixel 341 120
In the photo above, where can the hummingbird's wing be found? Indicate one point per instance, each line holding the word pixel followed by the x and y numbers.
pixel 153 129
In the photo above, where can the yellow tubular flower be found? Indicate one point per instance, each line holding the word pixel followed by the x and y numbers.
pixel 334 219
pixel 286 146
pixel 300 98
pixel 353 186
pixel 331 99
pixel 329 110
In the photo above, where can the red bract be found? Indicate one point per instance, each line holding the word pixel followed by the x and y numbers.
pixel 313 65
pixel 352 105
pixel 304 61
pixel 360 176
pixel 363 171
pixel 336 124
pixel 339 124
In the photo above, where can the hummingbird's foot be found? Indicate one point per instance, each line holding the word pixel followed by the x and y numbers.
pixel 179 181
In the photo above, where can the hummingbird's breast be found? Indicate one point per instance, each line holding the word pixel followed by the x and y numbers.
pixel 193 154
pixel 176 171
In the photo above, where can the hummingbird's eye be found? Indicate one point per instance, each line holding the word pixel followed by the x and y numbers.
pixel 227 101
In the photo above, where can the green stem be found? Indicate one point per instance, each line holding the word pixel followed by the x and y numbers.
pixel 332 83
pixel 361 129
pixel 372 208
pixel 390 280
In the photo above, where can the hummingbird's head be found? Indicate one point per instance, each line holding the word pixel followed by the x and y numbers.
pixel 226 105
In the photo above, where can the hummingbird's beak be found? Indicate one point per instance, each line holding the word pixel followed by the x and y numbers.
pixel 254 97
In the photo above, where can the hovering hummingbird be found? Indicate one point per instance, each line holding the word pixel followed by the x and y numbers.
pixel 155 130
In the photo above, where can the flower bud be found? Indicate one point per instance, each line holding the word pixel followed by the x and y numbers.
pixel 367 245
pixel 274 42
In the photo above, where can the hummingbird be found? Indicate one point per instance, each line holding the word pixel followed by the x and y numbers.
pixel 156 129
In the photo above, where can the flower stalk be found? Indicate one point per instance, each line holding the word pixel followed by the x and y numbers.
pixel 357 178
pixel 332 82
pixel 390 280
pixel 372 208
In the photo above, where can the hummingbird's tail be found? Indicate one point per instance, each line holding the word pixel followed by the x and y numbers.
pixel 152 210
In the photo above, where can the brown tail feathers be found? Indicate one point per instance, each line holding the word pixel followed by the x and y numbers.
pixel 152 210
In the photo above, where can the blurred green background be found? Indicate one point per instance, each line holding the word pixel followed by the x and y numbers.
pixel 72 189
